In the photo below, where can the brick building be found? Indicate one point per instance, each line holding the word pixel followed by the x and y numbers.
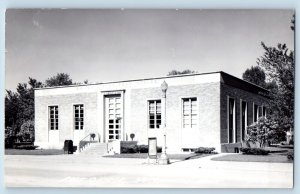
pixel 207 110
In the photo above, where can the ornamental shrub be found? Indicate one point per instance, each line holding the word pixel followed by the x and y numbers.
pixel 290 156
pixel 130 149
pixel 254 151
pixel 26 133
pixel 204 150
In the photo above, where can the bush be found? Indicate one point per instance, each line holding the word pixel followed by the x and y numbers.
pixel 254 151
pixel 142 148
pixel 130 149
pixel 204 150
pixel 290 156
pixel 26 147
pixel 26 133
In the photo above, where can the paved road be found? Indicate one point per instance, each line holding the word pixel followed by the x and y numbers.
pixel 96 171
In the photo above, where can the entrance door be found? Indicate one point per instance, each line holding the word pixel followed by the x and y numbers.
pixel 78 114
pixel 113 117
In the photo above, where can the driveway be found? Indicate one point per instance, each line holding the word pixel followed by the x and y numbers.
pixel 97 171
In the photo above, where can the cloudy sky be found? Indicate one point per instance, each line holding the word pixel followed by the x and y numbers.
pixel 112 45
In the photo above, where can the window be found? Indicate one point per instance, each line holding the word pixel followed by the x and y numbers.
pixel 231 121
pixel 255 112
pixel 53 117
pixel 78 117
pixel 189 112
pixel 264 111
pixel 154 114
pixel 244 114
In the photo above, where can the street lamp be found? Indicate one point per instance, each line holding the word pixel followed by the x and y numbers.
pixel 164 157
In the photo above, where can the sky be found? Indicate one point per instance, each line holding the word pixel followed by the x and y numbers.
pixel 114 45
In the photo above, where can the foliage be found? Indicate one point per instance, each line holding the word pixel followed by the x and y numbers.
pixel 129 148
pixel 204 150
pixel 132 135
pixel 264 131
pixel 93 135
pixel 175 72
pixel 19 107
pixel 255 75
pixel 9 137
pixel 290 156
pixel 279 65
pixel 254 151
pixel 60 79
pixel 26 147
pixel 26 133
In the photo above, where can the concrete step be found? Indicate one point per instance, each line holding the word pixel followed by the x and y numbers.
pixel 95 149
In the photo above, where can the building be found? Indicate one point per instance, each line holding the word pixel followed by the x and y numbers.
pixel 202 110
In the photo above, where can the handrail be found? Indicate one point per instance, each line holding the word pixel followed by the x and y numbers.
pixel 83 142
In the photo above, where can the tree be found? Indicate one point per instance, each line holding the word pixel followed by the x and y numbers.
pixel 255 75
pixel 175 72
pixel 60 79
pixel 19 107
pixel 279 65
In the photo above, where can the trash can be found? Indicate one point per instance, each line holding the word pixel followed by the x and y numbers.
pixel 68 146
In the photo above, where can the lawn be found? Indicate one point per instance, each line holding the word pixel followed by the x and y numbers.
pixel 171 156
pixel 34 152
pixel 272 158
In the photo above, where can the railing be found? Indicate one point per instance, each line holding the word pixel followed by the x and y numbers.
pixel 85 142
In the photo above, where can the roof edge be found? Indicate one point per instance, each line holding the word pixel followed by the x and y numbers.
pixel 131 80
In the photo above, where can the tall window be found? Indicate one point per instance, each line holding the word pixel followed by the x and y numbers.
pixel 78 117
pixel 244 114
pixel 231 120
pixel 264 111
pixel 189 112
pixel 255 112
pixel 154 114
pixel 53 117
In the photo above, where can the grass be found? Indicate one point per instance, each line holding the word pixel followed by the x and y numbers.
pixel 275 157
pixel 171 156
pixel 34 152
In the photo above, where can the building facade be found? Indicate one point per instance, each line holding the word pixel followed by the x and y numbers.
pixel 201 110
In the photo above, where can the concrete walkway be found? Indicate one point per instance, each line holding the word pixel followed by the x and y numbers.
pixel 96 171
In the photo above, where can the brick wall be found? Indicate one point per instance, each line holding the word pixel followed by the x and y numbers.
pixel 206 134
pixel 65 107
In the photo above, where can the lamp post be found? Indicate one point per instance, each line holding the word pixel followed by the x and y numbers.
pixel 164 157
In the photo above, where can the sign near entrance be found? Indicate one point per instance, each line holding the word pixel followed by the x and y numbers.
pixel 152 145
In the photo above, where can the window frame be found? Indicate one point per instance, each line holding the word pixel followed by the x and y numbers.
pixel 56 123
pixel 190 115
pixel 155 113
pixel 83 120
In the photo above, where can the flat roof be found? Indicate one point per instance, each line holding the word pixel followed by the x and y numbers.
pixel 164 77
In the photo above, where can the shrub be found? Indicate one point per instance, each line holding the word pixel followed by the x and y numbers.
pixel 26 147
pixel 132 136
pixel 93 135
pixel 254 151
pixel 204 150
pixel 142 148
pixel 130 149
pixel 290 156
pixel 26 133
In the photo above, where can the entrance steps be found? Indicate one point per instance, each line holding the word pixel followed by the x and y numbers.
pixel 95 149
